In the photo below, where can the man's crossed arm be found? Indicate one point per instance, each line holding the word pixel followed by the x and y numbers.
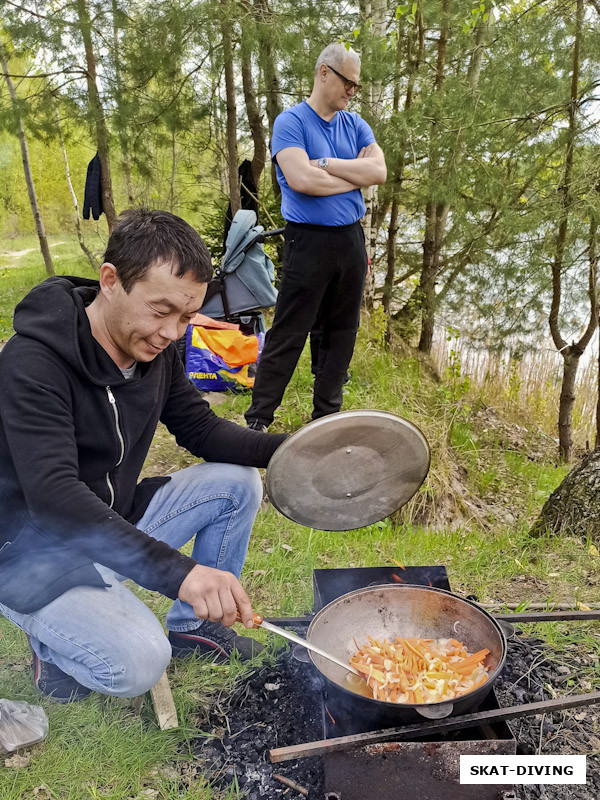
pixel 365 170
pixel 342 174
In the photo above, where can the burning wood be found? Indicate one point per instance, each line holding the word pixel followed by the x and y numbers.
pixel 329 715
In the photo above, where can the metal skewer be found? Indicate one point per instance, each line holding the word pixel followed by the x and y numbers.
pixel 259 622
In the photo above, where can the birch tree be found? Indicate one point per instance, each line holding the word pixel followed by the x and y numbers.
pixel 571 353
pixel 20 129
pixel 232 147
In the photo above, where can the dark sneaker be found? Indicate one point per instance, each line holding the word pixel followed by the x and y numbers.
pixel 257 425
pixel 55 684
pixel 214 639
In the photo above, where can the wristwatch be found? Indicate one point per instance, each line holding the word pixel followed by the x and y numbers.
pixel 322 162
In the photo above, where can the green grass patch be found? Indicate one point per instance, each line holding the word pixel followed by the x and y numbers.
pixel 22 267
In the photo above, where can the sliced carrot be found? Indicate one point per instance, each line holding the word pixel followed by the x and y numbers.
pixel 470 661
pixel 372 673
pixel 419 670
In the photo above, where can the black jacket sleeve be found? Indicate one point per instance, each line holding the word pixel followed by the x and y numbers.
pixel 197 428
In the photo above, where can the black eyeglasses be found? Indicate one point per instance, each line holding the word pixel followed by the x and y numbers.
pixel 348 84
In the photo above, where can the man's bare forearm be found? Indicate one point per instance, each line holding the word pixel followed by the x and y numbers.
pixel 359 171
pixel 318 183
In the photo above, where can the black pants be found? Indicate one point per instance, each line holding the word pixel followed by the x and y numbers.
pixel 324 270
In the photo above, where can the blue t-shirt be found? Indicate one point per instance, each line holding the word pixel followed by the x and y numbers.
pixel 342 137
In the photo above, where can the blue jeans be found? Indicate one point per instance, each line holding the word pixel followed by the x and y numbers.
pixel 108 639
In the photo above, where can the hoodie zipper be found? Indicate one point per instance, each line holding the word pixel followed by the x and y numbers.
pixel 113 403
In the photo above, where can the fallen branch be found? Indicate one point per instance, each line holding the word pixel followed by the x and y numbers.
pixel 291 784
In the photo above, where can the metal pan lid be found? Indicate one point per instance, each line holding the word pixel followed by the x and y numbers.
pixel 348 470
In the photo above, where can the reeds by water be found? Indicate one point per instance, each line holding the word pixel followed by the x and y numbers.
pixel 525 388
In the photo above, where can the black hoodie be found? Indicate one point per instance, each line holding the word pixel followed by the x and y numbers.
pixel 74 434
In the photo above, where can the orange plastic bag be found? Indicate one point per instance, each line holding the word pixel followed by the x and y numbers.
pixel 217 360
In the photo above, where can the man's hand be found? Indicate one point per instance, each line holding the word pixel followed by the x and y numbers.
pixel 368 152
pixel 216 595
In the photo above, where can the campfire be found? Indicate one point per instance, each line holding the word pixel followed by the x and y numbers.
pixel 281 714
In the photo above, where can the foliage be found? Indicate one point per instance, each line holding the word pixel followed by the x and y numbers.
pixel 482 136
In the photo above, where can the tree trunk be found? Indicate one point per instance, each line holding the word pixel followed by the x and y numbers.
pixel 372 104
pixel 122 119
pixel 570 353
pixel 573 509
pixel 102 138
pixel 215 121
pixel 388 286
pixel 429 276
pixel 438 219
pixel 253 112
pixel 270 74
pixel 567 401
pixel 427 279
pixel 173 173
pixel 414 63
pixel 593 261
pixel 431 238
pixel 598 401
pixel 232 149
pixel 33 201
pixel 90 256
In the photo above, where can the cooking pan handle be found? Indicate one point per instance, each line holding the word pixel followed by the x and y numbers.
pixel 435 712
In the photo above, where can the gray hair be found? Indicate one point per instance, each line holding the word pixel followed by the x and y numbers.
pixel 334 55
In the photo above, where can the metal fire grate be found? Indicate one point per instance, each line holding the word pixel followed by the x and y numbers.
pixel 427 768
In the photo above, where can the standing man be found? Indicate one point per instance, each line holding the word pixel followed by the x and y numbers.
pixel 323 156
pixel 91 371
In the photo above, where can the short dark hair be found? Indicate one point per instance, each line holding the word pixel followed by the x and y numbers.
pixel 144 237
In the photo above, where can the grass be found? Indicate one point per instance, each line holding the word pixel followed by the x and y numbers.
pixel 21 267
pixel 473 514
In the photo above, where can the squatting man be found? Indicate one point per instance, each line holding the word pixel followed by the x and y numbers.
pixel 91 371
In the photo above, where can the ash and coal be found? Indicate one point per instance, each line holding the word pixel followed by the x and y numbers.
pixel 532 673
pixel 280 705
pixel 275 706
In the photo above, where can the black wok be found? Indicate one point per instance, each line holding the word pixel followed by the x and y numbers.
pixel 387 611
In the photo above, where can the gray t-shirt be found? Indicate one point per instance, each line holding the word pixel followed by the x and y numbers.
pixel 130 371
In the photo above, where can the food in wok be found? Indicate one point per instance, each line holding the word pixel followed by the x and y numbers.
pixel 417 670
